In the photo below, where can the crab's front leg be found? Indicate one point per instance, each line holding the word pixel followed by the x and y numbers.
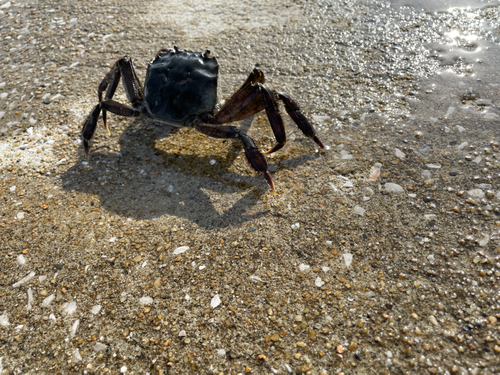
pixel 90 124
pixel 121 68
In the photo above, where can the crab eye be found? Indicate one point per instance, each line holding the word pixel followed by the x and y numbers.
pixel 207 54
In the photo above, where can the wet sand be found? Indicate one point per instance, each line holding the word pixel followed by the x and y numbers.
pixel 164 253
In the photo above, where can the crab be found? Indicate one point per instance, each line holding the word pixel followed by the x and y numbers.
pixel 181 90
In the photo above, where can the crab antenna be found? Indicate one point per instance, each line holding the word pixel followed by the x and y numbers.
pixel 176 49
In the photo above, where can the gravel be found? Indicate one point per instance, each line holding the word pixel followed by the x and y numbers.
pixel 164 253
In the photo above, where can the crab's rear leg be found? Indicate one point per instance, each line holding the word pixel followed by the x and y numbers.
pixel 90 124
pixel 254 156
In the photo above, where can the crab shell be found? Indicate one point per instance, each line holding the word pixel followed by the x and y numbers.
pixel 180 84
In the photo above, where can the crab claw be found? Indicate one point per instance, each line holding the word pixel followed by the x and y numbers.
pixel 89 127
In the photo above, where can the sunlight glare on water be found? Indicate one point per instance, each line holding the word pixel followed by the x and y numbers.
pixel 443 5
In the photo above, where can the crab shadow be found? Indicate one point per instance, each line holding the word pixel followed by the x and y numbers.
pixel 143 182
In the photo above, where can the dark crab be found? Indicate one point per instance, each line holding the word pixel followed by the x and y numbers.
pixel 181 90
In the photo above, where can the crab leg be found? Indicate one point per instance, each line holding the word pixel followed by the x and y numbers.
pixel 244 103
pixel 252 153
pixel 90 124
pixel 121 68
pixel 250 100
pixel 252 97
pixel 293 110
pixel 275 119
pixel 89 127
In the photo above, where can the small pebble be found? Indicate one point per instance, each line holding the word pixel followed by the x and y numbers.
pixel 74 327
pixel 433 320
pixel 359 210
pixel 400 154
pixel 255 278
pixel 484 102
pixel 4 320
pixel 348 185
pixel 69 307
pixel 375 171
pixel 347 259
pixel 345 155
pixel 318 282
pixel 449 112
pixel 319 118
pixel 215 301
pixel 21 260
pixel 24 279
pixel 181 249
pixel 484 240
pixel 144 301
pixel 96 309
pixel 303 267
pixel 476 193
pixel 98 347
pixel 490 116
pixel 394 188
